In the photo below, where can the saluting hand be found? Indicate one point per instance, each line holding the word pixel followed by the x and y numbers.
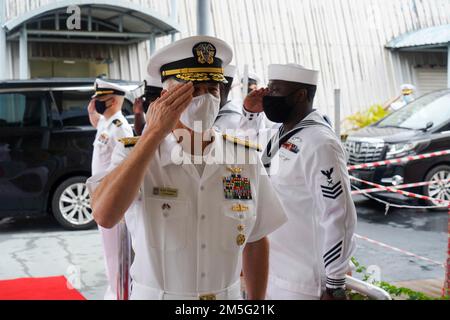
pixel 254 101
pixel 91 107
pixel 138 106
pixel 164 114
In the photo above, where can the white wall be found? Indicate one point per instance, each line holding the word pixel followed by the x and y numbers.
pixel 345 39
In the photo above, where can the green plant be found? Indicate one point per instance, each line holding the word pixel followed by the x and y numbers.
pixel 365 118
pixel 391 289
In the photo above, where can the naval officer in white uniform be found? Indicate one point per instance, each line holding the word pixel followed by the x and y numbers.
pixel 111 126
pixel 203 211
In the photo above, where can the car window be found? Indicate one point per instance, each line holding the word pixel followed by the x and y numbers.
pixel 72 106
pixel 433 108
pixel 24 110
pixel 127 108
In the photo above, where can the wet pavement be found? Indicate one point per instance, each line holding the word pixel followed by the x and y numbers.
pixel 418 231
pixel 39 247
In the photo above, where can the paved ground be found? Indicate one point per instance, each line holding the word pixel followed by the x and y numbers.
pixel 421 232
pixel 40 248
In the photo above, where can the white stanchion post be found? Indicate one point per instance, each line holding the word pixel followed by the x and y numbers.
pixel 245 82
pixel 337 112
pixel 124 279
pixel 446 291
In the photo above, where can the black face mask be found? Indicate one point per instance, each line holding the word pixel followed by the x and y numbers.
pixel 277 109
pixel 100 106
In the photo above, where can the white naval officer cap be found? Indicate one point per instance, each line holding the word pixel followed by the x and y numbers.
pixel 196 59
pixel 154 82
pixel 253 76
pixel 293 73
pixel 230 71
pixel 407 88
pixel 104 88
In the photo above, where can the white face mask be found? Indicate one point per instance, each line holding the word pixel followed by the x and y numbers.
pixel 201 114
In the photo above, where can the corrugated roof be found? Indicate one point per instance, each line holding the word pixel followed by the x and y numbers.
pixel 430 38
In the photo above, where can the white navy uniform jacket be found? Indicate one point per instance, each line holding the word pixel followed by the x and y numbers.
pixel 233 116
pixel 108 134
pixel 312 181
pixel 107 138
pixel 190 234
pixel 229 117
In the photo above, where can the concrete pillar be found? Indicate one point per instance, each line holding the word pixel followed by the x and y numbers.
pixel 23 54
pixel 3 74
pixel 152 44
pixel 174 10
pixel 337 112
pixel 448 66
pixel 204 17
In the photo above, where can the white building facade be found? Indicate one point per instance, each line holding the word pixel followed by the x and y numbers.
pixel 345 39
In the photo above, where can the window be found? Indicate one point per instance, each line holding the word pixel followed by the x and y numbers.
pixel 72 106
pixel 433 109
pixel 23 110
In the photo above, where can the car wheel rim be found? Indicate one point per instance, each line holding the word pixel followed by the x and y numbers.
pixel 440 187
pixel 74 205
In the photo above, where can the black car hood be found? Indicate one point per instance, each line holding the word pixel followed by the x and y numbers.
pixel 390 135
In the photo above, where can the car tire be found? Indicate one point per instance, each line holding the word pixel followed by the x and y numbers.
pixel 70 205
pixel 439 190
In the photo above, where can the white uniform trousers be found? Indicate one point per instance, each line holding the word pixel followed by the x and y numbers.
pixel 274 292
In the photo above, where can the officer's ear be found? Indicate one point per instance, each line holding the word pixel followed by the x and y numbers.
pixel 301 95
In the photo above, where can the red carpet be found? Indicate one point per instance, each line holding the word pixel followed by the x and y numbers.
pixel 54 288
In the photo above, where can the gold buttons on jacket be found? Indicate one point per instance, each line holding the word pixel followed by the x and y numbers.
pixel 240 240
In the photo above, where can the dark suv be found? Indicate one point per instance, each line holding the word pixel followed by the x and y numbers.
pixel 46 144
pixel 420 127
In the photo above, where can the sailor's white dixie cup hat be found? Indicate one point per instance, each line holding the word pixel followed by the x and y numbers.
pixel 196 59
pixel 104 88
pixel 293 73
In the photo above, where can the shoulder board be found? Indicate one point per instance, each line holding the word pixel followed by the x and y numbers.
pixel 117 123
pixel 245 143
pixel 129 142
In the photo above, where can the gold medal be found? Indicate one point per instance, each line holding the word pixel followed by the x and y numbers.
pixel 240 240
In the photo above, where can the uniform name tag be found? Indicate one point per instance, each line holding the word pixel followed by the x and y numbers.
pixel 165 192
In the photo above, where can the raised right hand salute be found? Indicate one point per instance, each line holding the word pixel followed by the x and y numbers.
pixel 109 202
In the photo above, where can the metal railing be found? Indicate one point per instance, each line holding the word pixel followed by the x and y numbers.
pixel 367 289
